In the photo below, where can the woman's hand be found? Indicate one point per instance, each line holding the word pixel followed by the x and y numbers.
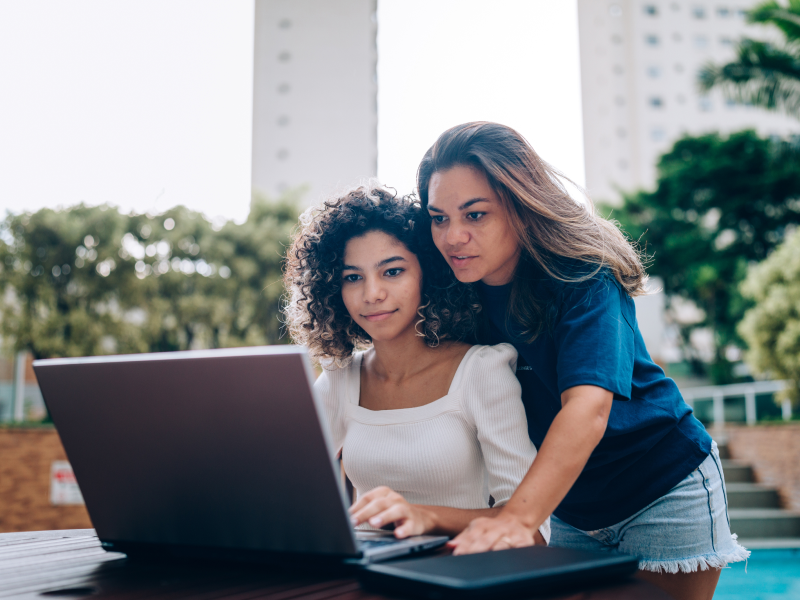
pixel 383 506
pixel 495 533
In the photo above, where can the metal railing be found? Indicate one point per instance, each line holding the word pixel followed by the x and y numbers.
pixel 718 393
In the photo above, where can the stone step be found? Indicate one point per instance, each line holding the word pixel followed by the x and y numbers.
pixel 722 448
pixel 751 495
pixel 737 472
pixel 769 543
pixel 764 523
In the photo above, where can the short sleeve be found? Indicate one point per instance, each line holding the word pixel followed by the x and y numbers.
pixel 594 337
pixel 492 402
pixel 331 388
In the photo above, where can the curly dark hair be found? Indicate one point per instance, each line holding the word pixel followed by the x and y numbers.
pixel 315 314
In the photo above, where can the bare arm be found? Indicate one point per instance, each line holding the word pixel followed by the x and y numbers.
pixel 573 435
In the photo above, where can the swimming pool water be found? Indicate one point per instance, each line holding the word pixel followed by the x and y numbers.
pixel 771 575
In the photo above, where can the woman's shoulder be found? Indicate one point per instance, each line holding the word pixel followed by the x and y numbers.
pixel 336 373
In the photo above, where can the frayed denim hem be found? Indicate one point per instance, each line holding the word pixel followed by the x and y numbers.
pixel 697 563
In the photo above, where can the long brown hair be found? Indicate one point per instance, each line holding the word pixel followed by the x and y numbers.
pixel 552 229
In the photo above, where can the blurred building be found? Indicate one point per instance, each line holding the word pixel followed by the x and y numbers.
pixel 639 64
pixel 314 95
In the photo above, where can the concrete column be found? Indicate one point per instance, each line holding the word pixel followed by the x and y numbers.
pixel 18 408
pixel 719 410
pixel 786 409
pixel 750 406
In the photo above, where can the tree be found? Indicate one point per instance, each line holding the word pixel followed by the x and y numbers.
pixel 764 74
pixel 719 204
pixel 90 280
pixel 771 328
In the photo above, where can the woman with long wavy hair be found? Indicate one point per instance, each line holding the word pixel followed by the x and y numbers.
pixel 623 463
pixel 431 429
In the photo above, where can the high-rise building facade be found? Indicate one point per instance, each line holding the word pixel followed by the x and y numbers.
pixel 639 65
pixel 314 95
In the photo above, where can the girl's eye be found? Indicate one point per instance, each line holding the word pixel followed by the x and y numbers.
pixel 474 216
pixel 394 272
pixel 352 278
pixel 438 219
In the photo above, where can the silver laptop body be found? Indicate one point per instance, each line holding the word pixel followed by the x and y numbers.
pixel 208 453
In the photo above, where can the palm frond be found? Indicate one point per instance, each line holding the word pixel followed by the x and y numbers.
pixel 762 74
pixel 785 17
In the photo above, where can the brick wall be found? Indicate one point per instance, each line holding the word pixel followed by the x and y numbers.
pixel 26 455
pixel 774 453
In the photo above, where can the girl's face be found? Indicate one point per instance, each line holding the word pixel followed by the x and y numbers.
pixel 382 285
pixel 470 226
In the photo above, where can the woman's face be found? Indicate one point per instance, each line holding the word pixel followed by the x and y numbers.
pixel 470 226
pixel 382 285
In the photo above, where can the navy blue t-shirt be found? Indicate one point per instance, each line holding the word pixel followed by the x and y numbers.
pixel 652 441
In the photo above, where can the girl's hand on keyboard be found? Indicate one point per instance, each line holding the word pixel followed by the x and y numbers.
pixel 383 506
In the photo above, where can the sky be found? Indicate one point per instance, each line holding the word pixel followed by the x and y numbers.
pixel 146 104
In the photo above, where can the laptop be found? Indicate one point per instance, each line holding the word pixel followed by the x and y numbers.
pixel 211 453
pixel 527 572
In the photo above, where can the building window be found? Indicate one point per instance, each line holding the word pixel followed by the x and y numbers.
pixel 723 12
pixel 284 23
pixel 618 69
pixel 657 134
pixel 623 164
pixel 284 56
pixel 617 39
pixel 704 104
pixel 282 154
pixel 615 10
pixel 675 6
pixel 677 37
pixel 651 10
pixel 726 41
pixel 621 132
pixel 654 71
pixel 730 103
pixel 619 100
pixel 699 12
pixel 700 41
pixel 651 40
pixel 681 98
pixel 678 68
pixel 656 102
pixel 283 121
pixel 741 13
pixel 284 88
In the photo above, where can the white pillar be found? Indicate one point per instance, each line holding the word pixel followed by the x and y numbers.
pixel 18 410
pixel 719 410
pixel 750 406
pixel 786 409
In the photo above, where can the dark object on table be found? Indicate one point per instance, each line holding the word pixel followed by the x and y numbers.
pixel 71 564
pixel 530 571
pixel 210 453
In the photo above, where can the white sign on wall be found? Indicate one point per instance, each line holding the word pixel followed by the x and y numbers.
pixel 63 486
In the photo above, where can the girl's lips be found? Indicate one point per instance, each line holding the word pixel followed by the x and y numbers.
pixel 461 262
pixel 379 316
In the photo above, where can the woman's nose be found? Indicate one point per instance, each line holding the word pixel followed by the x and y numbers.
pixel 456 235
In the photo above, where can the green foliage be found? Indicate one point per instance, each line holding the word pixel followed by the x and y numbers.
pixel 764 74
pixel 90 280
pixel 719 205
pixel 771 328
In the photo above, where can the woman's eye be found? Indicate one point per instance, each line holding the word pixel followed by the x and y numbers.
pixel 352 278
pixel 394 272
pixel 474 216
pixel 438 219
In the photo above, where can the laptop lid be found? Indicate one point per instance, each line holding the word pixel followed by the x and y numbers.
pixel 213 448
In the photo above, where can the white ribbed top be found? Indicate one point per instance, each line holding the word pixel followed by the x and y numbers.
pixel 454 451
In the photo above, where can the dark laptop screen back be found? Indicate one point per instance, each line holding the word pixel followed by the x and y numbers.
pixel 200 448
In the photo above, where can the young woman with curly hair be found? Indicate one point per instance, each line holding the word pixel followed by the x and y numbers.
pixel 623 464
pixel 430 427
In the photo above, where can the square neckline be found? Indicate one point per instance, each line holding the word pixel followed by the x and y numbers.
pixel 354 385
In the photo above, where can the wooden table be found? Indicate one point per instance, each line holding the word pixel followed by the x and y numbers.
pixel 71 564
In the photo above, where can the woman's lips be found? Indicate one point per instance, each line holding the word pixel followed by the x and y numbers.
pixel 462 260
pixel 381 316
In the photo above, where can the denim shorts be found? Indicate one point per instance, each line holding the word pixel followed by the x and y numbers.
pixel 686 530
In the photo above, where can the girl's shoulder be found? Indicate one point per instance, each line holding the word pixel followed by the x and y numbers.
pixel 485 362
